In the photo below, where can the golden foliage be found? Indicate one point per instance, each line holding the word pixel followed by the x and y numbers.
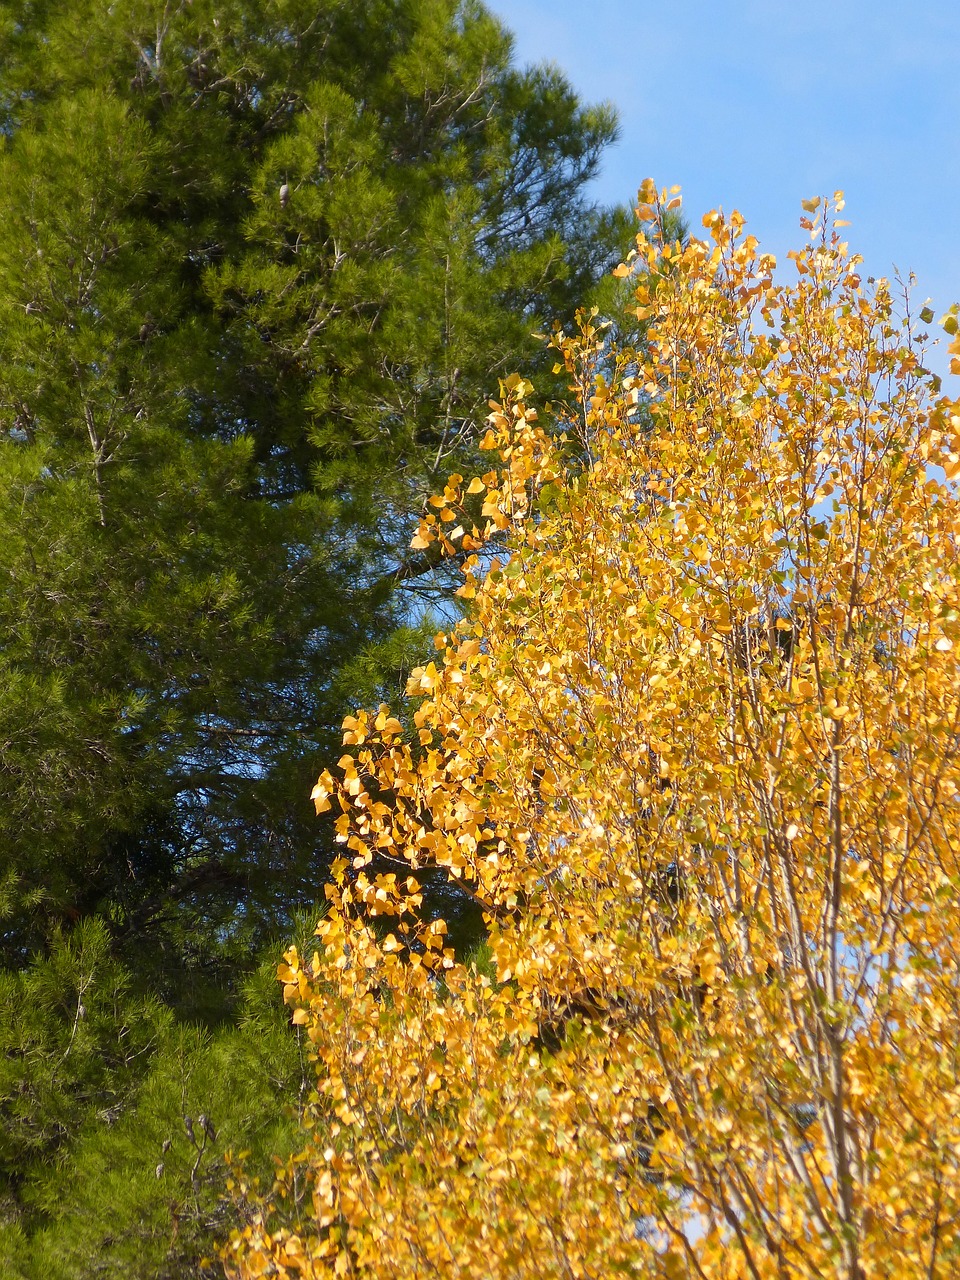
pixel 695 750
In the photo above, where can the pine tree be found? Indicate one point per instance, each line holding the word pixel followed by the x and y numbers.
pixel 261 266
pixel 262 263
pixel 76 1036
pixel 146 1195
pixel 116 1120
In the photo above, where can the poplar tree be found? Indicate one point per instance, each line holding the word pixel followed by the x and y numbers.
pixel 695 750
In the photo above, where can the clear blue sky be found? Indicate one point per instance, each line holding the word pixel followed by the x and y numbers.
pixel 757 104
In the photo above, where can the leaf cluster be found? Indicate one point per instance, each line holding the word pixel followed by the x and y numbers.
pixel 694 750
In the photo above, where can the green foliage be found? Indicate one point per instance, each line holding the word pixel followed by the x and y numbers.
pixel 13 1251
pixel 117 1163
pixel 262 265
pixel 141 1207
pixel 261 268
pixel 75 1039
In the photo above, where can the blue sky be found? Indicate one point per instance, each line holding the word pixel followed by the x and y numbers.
pixel 757 104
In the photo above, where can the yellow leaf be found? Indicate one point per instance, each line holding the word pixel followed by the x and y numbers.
pixel 690 756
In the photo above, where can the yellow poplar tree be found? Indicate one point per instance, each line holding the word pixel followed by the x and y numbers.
pixel 695 749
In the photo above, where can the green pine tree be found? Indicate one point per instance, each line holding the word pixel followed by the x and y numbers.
pixel 76 1036
pixel 118 1122
pixel 262 266
pixel 263 262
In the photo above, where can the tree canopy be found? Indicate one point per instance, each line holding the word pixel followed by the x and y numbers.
pixel 694 748
pixel 261 264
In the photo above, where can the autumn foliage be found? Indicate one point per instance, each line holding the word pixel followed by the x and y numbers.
pixel 695 748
